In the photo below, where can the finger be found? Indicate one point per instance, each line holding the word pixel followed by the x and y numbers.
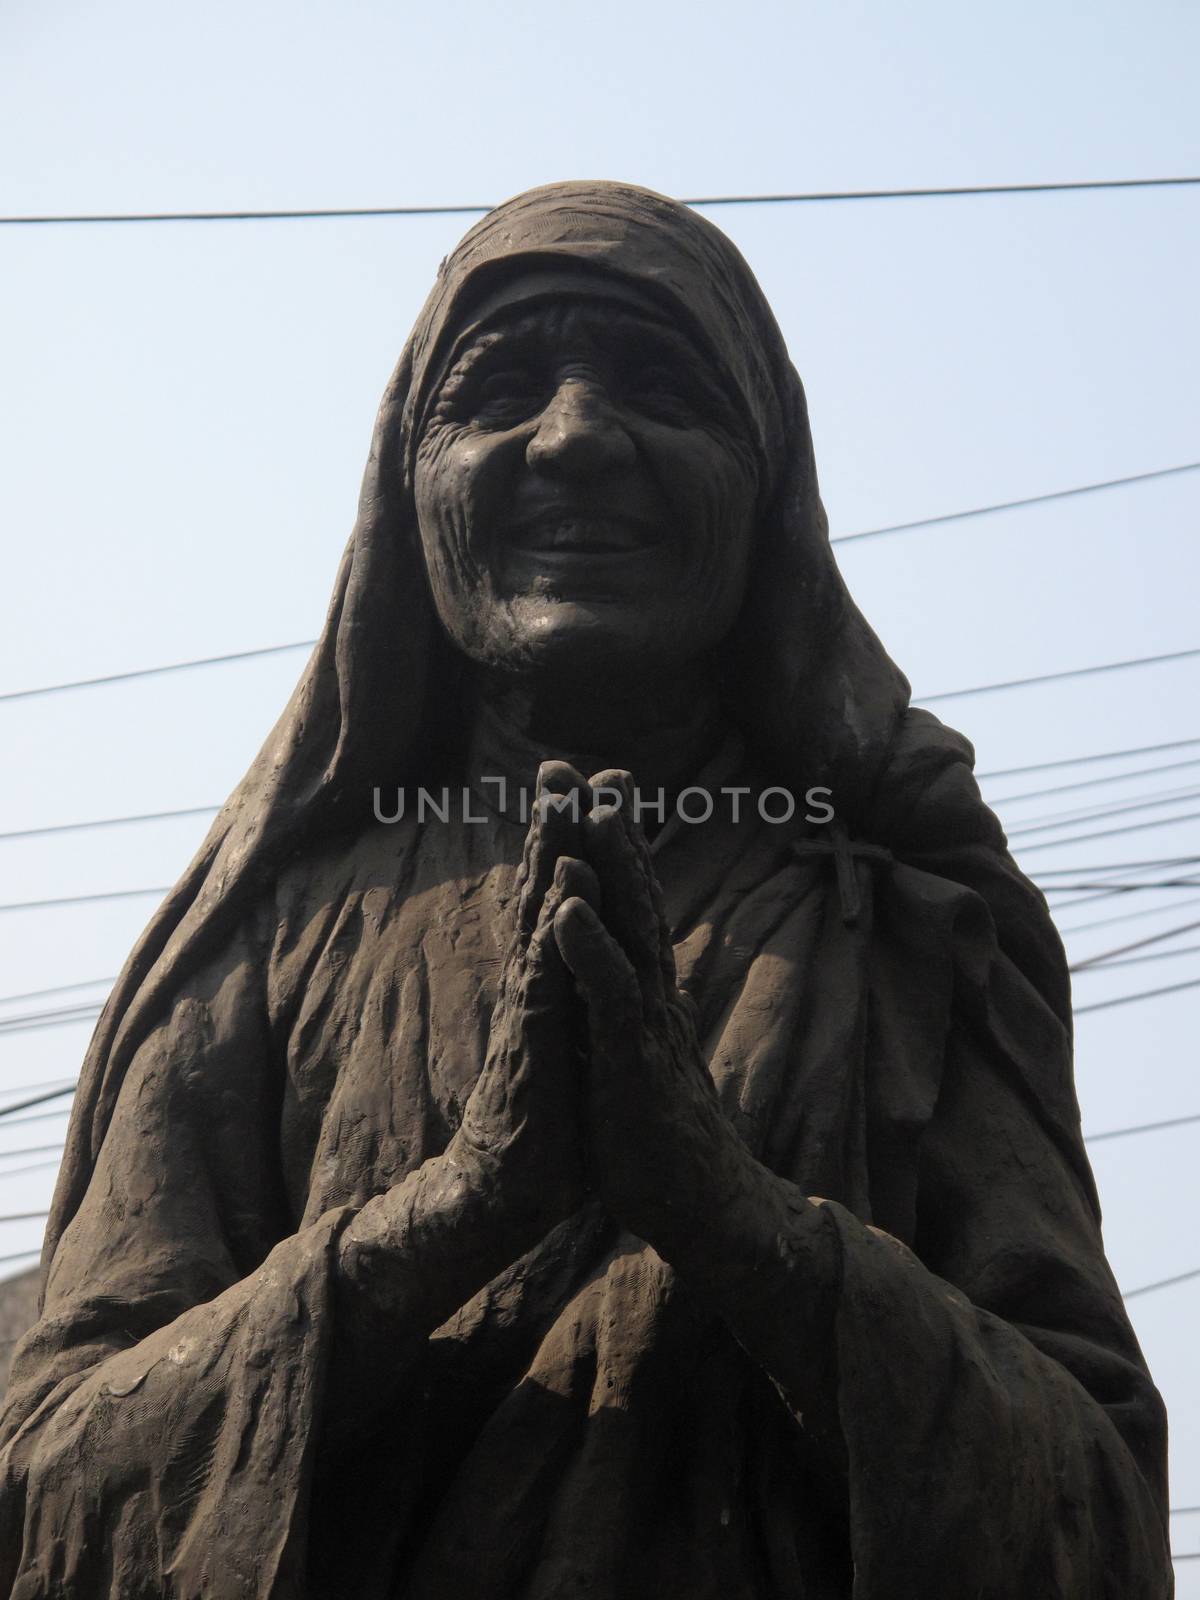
pixel 561 796
pixel 614 786
pixel 630 912
pixel 573 879
pixel 636 835
pixel 621 782
pixel 537 992
pixel 603 975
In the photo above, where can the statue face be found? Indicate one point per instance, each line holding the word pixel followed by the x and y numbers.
pixel 585 492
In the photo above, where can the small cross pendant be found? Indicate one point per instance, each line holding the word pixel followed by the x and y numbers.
pixel 843 850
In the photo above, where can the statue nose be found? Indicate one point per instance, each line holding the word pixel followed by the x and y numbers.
pixel 579 433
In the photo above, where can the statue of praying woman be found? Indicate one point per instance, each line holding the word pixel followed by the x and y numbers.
pixel 625 1179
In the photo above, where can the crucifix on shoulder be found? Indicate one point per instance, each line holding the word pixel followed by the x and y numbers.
pixel 844 852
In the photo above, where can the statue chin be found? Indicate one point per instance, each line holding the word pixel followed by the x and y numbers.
pixel 536 634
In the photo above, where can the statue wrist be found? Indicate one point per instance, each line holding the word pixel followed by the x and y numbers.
pixel 419 1250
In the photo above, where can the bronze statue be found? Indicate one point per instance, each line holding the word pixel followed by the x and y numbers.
pixel 666 1188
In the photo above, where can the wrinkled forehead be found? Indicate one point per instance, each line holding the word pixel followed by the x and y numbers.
pixel 638 249
pixel 549 300
pixel 538 287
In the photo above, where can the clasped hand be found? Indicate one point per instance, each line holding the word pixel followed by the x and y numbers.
pixel 594 1081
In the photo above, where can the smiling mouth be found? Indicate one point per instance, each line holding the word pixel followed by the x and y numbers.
pixel 584 533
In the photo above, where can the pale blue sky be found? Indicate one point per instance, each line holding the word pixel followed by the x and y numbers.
pixel 186 409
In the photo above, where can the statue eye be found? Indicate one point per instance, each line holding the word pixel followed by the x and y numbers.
pixel 660 390
pixel 506 394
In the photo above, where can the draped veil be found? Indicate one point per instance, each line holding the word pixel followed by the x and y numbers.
pixel 821 688
pixel 812 686
pixel 993 1425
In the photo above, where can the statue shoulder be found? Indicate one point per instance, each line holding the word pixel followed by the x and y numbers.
pixel 926 796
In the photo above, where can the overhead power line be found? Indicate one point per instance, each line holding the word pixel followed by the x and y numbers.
pixel 1079 761
pixel 85 983
pixel 1097 813
pixel 1146 1288
pixel 1023 824
pixel 109 822
pixel 1045 872
pixel 1015 505
pixel 471 208
pixel 79 899
pixel 30 1150
pixel 1085 783
pixel 39 1116
pixel 154 672
pixel 36 1100
pixel 1107 887
pixel 1163 1283
pixel 24 1021
pixel 32 1166
pixel 1108 833
pixel 1129 916
pixel 1139 961
pixel 127 894
pixel 1056 677
pixel 1142 1127
pixel 1101 958
pixel 42 1083
pixel 1114 883
pixel 946 694
pixel 870 533
pixel 899 527
pixel 68 1016
pixel 1134 1129
pixel 1128 999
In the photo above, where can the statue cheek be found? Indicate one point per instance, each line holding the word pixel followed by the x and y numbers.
pixel 447 470
pixel 711 486
pixel 478 473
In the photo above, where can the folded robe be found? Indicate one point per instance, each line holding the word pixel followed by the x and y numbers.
pixel 588 1425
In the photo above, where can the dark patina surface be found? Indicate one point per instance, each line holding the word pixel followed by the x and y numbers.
pixel 601 1204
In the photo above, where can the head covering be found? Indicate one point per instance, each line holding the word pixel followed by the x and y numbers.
pixel 812 686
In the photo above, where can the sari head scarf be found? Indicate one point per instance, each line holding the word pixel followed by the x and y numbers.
pixel 810 684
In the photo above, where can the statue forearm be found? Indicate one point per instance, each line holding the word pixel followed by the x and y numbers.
pixel 902 1378
pixel 767 1258
pixel 405 1262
